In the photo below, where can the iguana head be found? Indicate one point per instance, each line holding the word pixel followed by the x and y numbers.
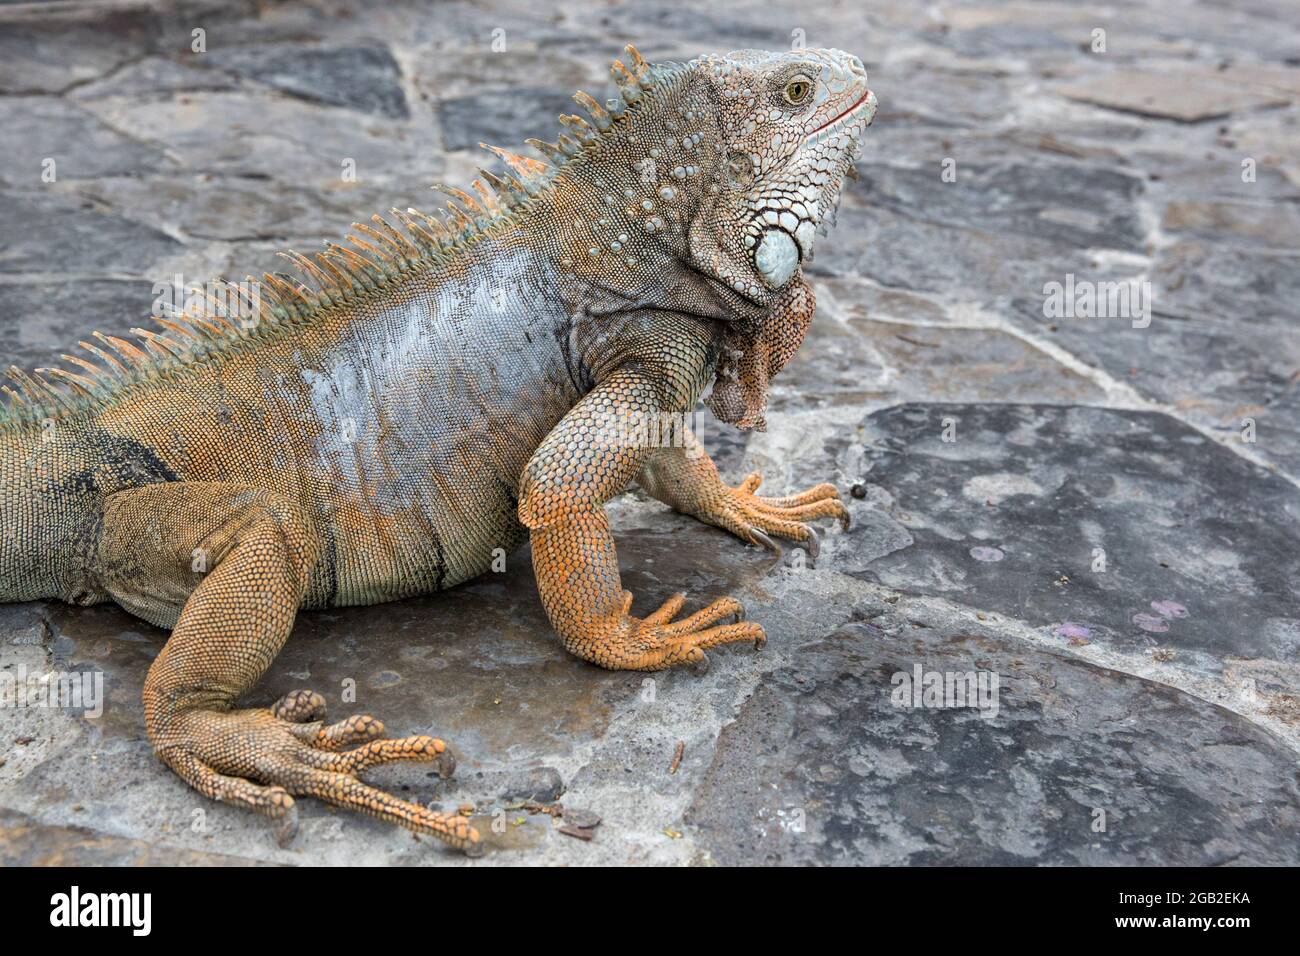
pixel 726 165
pixel 790 126
pixel 729 162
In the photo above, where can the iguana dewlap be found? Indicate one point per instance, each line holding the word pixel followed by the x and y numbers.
pixel 436 391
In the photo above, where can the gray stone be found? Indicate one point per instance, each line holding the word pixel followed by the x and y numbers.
pixel 952 102
pixel 45 318
pixel 156 77
pixel 823 767
pixel 261 135
pixel 363 78
pixel 542 785
pixel 212 206
pixel 25 841
pixel 1266 226
pixel 57 237
pixel 1079 205
pixel 502 117
pixel 1222 359
pixel 898 250
pixel 1216 175
pixel 1216 281
pixel 39 130
pixel 852 360
pixel 54 57
pixel 1189 96
pixel 1131 524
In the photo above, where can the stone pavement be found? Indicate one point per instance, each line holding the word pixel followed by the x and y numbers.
pixel 1089 493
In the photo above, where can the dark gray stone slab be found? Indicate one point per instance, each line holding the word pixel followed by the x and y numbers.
pixel 822 767
pixel 364 78
pixel 477 666
pixel 502 118
pixel 38 129
pixel 898 250
pixel 1075 204
pixel 1200 546
pixel 40 319
pixel 56 235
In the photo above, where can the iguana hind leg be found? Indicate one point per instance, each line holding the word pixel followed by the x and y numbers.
pixel 228 566
pixel 684 478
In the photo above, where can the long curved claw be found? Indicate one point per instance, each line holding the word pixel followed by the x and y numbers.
pixel 812 544
pixel 762 538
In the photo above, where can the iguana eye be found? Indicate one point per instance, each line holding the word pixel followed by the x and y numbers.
pixel 797 90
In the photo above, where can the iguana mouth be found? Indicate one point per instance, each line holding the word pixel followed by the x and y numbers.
pixel 852 110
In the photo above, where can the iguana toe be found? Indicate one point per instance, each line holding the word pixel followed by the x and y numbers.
pixel 260 759
pixel 757 519
pixel 657 642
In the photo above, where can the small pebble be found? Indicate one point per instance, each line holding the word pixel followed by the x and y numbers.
pixel 582 819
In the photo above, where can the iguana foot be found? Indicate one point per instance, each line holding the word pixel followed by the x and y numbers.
pixel 755 519
pixel 262 758
pixel 656 642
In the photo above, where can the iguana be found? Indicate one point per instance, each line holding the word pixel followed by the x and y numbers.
pixel 439 388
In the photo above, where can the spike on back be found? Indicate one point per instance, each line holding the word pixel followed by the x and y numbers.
pixel 529 171
pixel 599 115
pixel 642 70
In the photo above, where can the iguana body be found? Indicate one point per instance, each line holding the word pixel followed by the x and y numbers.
pixel 442 391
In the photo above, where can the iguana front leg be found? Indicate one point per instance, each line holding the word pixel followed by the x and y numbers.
pixel 228 565
pixel 586 460
pixel 684 478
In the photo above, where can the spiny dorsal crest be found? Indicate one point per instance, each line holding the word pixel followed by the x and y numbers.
pixel 379 253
